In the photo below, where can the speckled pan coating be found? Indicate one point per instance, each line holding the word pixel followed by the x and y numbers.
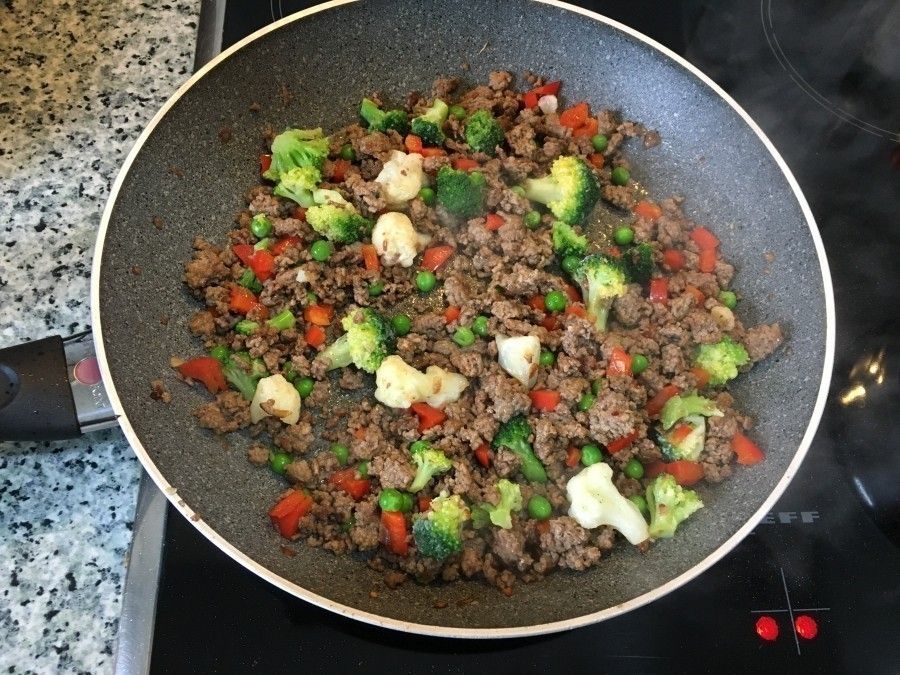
pixel 708 154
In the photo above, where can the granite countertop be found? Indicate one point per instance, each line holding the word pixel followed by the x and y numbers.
pixel 78 81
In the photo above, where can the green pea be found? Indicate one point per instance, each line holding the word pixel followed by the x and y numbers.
pixel 591 454
pixel 539 507
pixel 623 235
pixel 220 353
pixel 391 500
pixel 555 301
pixel 599 142
pixel 321 250
pixel 347 152
pixel 363 469
pixel 376 288
pixel 586 401
pixel 279 461
pixel 261 226
pixel 304 386
pixel 426 194
pixel 342 452
pixel 464 337
pixel 458 112
pixel 548 358
pixel 570 263
pixel 245 326
pixel 425 281
pixel 634 469
pixel 480 326
pixel 518 189
pixel 311 297
pixel 728 298
pixel 597 385
pixel 639 364
pixel 532 220
pixel 620 176
pixel 641 502
pixel 401 324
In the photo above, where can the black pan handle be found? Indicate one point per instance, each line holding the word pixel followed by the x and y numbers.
pixel 51 389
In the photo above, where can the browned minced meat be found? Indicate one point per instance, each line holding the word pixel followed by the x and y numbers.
pixel 159 392
pixel 495 275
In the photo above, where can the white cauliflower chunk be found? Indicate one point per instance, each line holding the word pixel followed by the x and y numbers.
pixel 399 385
pixel 401 178
pixel 520 357
pixel 284 397
pixel 595 501
pixel 395 239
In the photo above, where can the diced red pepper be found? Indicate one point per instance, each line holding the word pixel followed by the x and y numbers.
pixel 748 453
pixel 350 482
pixel 242 300
pixel 588 129
pixel 464 164
pixel 659 290
pixel 433 152
pixel 320 315
pixel 299 213
pixel 697 294
pixel 530 99
pixel 451 314
pixel 537 302
pixel 680 432
pixel 576 310
pixel 619 363
pixel 708 260
pixel 436 256
pixel 655 404
pixel 573 293
pixel 243 252
pixel 673 259
pixel 684 471
pixel 428 416
pixel 315 336
pixel 621 443
pixel 360 434
pixel 339 168
pixel 573 456
pixel 550 322
pixel 370 258
pixel 597 160
pixel 647 210
pixel 545 400
pixel 575 116
pixel 262 263
pixel 394 524
pixel 494 221
pixel 704 238
pixel 413 143
pixel 701 376
pixel 424 503
pixel 614 251
pixel 207 370
pixel 286 514
pixel 265 163
pixel 483 455
pixel 284 244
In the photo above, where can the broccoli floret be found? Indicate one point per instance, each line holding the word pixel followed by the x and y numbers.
pixel 566 241
pixel 680 406
pixel 461 193
pixel 297 148
pixel 602 280
pixel 367 340
pixel 483 132
pixel 427 126
pixel 429 462
pixel 244 373
pixel 570 190
pixel 438 533
pixel 669 505
pixel 638 261
pixel 335 218
pixel 383 120
pixel 298 184
pixel 513 435
pixel 722 360
pixel 510 500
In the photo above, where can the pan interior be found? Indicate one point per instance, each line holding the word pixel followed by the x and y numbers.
pixel 187 177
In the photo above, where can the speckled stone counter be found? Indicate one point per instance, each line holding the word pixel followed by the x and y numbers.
pixel 78 81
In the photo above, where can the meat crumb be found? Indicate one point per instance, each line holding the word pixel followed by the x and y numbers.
pixel 159 392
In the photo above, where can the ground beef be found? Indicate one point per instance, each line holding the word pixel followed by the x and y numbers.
pixel 229 412
pixel 761 341
pixel 159 392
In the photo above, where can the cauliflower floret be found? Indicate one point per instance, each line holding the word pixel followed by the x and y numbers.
pixel 399 385
pixel 396 240
pixel 595 501
pixel 520 357
pixel 284 397
pixel 401 178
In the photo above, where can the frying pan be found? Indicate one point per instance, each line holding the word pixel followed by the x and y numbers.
pixel 329 57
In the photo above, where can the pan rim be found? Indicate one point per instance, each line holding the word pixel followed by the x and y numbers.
pixel 171 492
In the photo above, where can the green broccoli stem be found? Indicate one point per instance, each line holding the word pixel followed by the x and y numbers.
pixel 532 468
pixel 282 321
pixel 542 190
pixel 245 326
pixel 240 380
pixel 423 475
pixel 338 353
pixel 599 311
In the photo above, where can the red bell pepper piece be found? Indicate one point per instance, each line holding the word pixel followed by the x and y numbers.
pixel 243 252
pixel 428 416
pixel 494 221
pixel 699 298
pixel 351 483
pixel 575 116
pixel 483 455
pixel 647 210
pixel 436 256
pixel 621 443
pixel 370 258
pixel 588 129
pixel 314 336
pixel 619 363
pixel 673 259
pixel 433 152
pixel 530 99
pixel 424 503
pixel 748 453
pixel 683 471
pixel 708 260
pixel 263 264
pixel 242 300
pixel 655 404
pixel 576 310
pixel 550 322
pixel 704 238
pixel 680 432
pixel 464 164
pixel 283 244
pixel 265 163
pixel 659 290
pixel 536 302
pixel 299 213
pixel 701 376
pixel 413 143
pixel 286 514
pixel 451 314
pixel 597 160
pixel 545 400
pixel 207 370
pixel 339 168
pixel 394 524
pixel 573 456
pixel 320 315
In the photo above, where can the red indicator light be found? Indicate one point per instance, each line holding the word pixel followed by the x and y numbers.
pixel 806 627
pixel 767 628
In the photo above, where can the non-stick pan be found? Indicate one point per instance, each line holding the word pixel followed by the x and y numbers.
pixel 182 175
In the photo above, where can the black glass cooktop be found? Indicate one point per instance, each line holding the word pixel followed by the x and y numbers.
pixel 816 587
